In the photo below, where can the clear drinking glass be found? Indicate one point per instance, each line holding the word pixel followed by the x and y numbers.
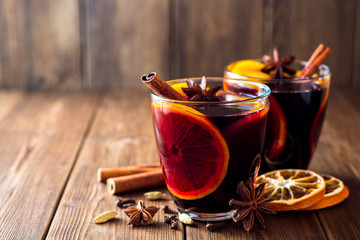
pixel 295 118
pixel 207 148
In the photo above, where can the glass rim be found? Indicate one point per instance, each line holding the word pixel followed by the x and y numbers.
pixel 324 69
pixel 260 86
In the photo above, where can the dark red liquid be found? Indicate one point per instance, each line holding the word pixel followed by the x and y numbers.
pixel 244 135
pixel 294 124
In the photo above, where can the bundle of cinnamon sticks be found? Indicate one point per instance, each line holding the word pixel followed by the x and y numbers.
pixel 125 179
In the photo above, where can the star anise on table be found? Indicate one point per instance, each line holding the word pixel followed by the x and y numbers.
pixel 200 92
pixel 276 67
pixel 251 205
pixel 141 214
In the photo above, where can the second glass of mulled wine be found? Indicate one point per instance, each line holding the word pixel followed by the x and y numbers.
pixel 296 113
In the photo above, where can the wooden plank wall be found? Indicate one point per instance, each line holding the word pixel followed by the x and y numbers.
pixel 39 44
pixel 89 44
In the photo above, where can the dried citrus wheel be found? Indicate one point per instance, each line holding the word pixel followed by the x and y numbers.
pixel 292 189
pixel 248 68
pixel 193 153
pixel 335 192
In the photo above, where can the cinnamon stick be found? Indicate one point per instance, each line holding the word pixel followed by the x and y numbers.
pixel 160 87
pixel 317 58
pixel 104 173
pixel 135 182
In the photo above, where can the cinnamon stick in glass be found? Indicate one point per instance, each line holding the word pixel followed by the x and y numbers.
pixel 135 182
pixel 160 87
pixel 317 58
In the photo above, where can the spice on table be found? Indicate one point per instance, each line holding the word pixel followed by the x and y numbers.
pixel 105 173
pixel 251 205
pixel 155 195
pixel 211 227
pixel 141 214
pixel 125 203
pixel 105 216
pixel 174 225
pixel 166 209
pixel 172 221
pixel 185 218
pixel 168 220
pixel 135 182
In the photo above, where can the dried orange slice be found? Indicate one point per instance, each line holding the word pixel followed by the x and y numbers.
pixel 188 140
pixel 335 192
pixel 292 189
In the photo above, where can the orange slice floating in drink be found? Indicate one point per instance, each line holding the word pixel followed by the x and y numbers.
pixel 276 134
pixel 292 189
pixel 315 127
pixel 335 192
pixel 178 87
pixel 248 68
pixel 193 153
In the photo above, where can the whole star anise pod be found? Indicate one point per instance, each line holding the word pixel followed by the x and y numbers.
pixel 141 214
pixel 199 92
pixel 251 205
pixel 276 66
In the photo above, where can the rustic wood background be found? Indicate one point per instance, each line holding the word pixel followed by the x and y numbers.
pixel 90 44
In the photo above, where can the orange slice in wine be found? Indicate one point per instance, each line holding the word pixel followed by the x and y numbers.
pixel 248 68
pixel 193 153
pixel 178 87
pixel 317 124
pixel 276 132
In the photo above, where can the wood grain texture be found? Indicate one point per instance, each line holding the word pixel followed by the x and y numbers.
pixel 299 26
pixel 208 35
pixel 93 44
pixel 40 44
pixel 283 226
pixel 356 48
pixel 8 101
pixel 39 141
pixel 122 134
pixel 126 39
pixel 268 44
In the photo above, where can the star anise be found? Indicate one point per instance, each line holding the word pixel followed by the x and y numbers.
pixel 251 205
pixel 276 66
pixel 141 214
pixel 200 92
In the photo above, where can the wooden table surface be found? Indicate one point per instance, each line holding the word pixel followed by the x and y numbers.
pixel 51 145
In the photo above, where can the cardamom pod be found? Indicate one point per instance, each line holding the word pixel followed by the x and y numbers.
pixel 156 195
pixel 105 216
pixel 185 218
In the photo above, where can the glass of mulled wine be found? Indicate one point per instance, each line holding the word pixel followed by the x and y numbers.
pixel 207 147
pixel 296 113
